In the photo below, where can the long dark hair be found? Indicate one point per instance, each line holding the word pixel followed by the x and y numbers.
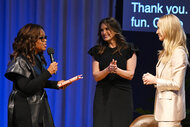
pixel 113 25
pixel 25 43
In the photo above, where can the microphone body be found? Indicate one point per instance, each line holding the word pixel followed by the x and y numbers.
pixel 50 52
pixel 52 58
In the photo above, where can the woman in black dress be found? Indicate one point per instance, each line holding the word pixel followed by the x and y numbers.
pixel 28 105
pixel 114 63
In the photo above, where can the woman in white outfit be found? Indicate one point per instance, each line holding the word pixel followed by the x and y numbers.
pixel 169 81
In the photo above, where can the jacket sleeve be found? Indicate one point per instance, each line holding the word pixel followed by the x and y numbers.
pixel 178 66
pixel 51 84
pixel 31 86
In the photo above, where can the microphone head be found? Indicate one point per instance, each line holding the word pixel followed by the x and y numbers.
pixel 50 51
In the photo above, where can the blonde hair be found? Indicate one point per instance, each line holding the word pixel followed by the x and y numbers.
pixel 174 36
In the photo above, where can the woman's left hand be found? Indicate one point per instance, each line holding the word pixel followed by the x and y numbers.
pixel 60 82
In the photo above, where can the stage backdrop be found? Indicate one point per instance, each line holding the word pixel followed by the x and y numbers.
pixel 71 27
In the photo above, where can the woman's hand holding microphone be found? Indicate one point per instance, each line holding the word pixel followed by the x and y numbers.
pixel 53 68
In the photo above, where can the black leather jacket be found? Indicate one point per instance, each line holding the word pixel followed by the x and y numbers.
pixel 22 67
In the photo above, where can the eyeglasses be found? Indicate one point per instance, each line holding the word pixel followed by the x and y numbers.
pixel 42 38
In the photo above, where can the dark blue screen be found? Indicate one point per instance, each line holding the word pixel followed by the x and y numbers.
pixel 142 15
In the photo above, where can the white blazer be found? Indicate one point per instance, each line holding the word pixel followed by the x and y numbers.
pixel 170 93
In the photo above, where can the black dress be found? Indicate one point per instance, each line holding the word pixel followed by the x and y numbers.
pixel 113 103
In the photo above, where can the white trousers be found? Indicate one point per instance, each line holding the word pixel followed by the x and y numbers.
pixel 169 124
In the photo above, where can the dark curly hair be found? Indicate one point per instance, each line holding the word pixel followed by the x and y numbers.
pixel 113 25
pixel 25 43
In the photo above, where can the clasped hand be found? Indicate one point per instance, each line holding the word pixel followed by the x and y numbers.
pixel 149 79
pixel 113 66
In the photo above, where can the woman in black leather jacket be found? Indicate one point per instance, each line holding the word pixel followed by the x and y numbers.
pixel 28 104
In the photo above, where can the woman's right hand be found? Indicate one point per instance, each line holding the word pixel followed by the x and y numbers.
pixel 149 79
pixel 53 68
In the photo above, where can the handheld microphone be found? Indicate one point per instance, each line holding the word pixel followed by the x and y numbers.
pixel 50 52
